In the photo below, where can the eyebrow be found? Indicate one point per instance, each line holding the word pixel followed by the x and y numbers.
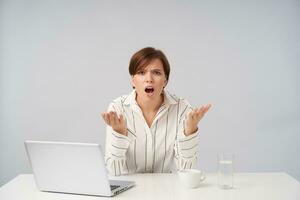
pixel 156 69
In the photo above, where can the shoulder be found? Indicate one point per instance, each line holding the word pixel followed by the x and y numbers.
pixel 182 102
pixel 118 101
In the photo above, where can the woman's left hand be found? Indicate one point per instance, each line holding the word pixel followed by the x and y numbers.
pixel 193 118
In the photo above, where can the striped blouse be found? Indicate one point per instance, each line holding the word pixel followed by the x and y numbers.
pixel 161 148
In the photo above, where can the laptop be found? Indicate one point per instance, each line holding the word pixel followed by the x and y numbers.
pixel 76 168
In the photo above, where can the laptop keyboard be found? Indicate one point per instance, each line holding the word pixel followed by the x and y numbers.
pixel 112 187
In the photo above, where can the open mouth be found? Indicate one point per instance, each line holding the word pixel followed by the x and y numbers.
pixel 149 90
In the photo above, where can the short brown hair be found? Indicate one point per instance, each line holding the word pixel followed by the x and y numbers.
pixel 143 57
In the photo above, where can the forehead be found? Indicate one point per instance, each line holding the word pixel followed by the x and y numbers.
pixel 153 64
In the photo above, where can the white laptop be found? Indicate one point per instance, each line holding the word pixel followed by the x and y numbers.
pixel 76 168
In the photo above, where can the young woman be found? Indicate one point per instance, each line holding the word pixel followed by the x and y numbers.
pixel 151 130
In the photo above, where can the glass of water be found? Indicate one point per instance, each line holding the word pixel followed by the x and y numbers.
pixel 225 170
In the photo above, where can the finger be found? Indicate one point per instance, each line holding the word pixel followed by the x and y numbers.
pixel 196 113
pixel 121 119
pixel 115 117
pixel 190 115
pixel 203 110
pixel 199 113
pixel 200 110
pixel 207 107
pixel 112 118
pixel 106 118
pixel 102 115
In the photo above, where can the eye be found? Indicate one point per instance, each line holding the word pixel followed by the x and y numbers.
pixel 141 72
pixel 157 72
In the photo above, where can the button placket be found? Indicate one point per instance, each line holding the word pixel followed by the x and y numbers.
pixel 149 141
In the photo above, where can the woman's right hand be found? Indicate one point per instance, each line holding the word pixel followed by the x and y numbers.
pixel 118 124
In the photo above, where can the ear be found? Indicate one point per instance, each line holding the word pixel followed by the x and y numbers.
pixel 132 81
pixel 166 82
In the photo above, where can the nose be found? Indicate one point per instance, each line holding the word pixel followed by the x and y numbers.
pixel 148 77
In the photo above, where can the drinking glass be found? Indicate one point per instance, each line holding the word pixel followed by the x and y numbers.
pixel 225 170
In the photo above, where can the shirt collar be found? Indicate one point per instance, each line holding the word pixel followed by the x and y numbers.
pixel 168 98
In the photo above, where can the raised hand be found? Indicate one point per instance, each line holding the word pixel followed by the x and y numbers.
pixel 193 119
pixel 118 124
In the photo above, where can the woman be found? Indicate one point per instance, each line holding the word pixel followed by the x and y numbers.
pixel 149 130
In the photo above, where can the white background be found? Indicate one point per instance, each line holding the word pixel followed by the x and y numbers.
pixel 63 61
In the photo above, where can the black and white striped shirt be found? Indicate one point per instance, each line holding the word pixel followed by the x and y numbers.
pixel 163 147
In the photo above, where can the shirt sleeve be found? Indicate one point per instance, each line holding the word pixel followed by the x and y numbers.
pixel 186 147
pixel 116 148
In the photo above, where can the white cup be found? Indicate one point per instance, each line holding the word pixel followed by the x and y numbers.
pixel 191 178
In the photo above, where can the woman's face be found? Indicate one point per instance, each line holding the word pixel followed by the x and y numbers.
pixel 150 81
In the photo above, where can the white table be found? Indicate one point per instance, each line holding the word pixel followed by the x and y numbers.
pixel 264 186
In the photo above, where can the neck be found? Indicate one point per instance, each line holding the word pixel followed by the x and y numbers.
pixel 150 105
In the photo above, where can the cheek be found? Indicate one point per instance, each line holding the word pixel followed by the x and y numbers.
pixel 162 82
pixel 136 81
